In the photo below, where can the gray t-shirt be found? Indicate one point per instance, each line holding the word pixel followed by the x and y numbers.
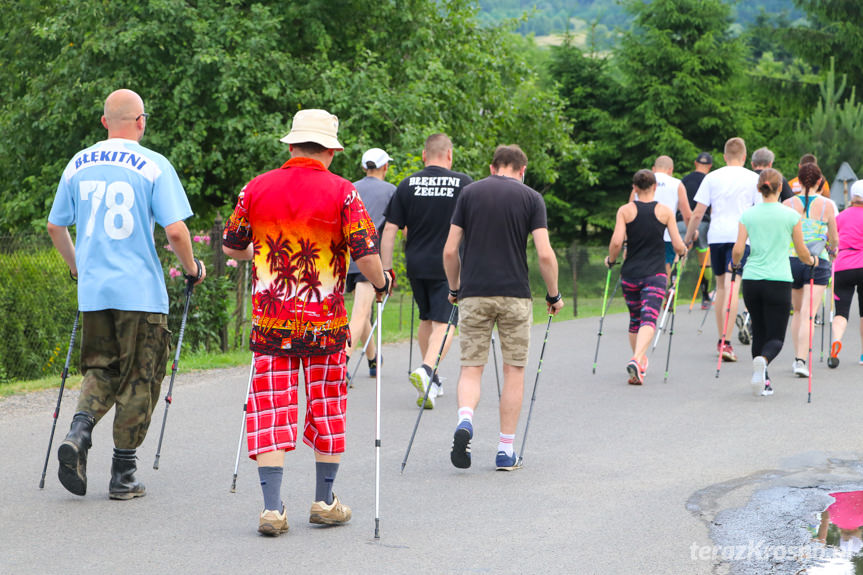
pixel 375 194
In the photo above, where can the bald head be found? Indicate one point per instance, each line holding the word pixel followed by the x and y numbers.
pixel 664 164
pixel 123 115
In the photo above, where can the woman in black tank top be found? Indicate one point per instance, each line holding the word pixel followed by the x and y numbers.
pixel 642 277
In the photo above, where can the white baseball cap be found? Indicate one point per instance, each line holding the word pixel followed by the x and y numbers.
pixel 318 126
pixel 857 189
pixel 376 156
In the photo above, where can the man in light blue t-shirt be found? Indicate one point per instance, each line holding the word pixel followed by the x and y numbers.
pixel 113 193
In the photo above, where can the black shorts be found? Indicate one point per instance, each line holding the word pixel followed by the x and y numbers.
pixel 432 297
pixel 720 257
pixel 352 280
pixel 801 273
pixel 844 283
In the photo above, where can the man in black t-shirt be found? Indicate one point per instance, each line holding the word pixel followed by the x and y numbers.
pixel 691 181
pixel 424 203
pixel 492 221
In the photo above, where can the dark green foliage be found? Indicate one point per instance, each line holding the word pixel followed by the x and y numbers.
pixel 683 71
pixel 589 191
pixel 834 32
pixel 37 303
pixel 222 80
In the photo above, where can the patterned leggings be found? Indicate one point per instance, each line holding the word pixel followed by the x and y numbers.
pixel 644 299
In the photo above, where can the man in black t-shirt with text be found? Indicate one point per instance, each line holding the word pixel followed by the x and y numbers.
pixel 424 203
pixel 492 221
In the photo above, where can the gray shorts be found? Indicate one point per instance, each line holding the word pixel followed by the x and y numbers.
pixel 701 242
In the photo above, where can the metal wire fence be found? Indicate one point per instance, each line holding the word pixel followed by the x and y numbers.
pixel 38 300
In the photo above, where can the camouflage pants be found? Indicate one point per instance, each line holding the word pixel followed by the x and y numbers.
pixel 479 315
pixel 123 359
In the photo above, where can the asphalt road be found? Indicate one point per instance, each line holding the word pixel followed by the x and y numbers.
pixel 617 479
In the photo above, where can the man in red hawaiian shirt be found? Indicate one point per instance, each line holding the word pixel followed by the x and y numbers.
pixel 297 224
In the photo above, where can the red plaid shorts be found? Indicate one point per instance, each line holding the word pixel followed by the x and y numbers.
pixel 271 414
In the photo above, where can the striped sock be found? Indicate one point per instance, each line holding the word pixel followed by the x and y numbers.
pixel 505 443
pixel 465 414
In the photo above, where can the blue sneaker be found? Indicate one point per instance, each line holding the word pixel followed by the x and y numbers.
pixel 460 454
pixel 504 462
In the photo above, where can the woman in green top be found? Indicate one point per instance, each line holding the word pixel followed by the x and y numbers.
pixel 769 226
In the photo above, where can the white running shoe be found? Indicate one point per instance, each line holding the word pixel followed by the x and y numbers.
pixel 421 381
pixel 438 389
pixel 767 389
pixel 799 368
pixel 759 374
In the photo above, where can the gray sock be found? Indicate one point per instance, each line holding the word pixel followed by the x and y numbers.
pixel 326 474
pixel 271 486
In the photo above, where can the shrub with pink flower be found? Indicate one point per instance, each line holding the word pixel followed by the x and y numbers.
pixel 231 263
pixel 174 273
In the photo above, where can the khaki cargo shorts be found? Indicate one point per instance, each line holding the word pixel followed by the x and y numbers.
pixel 513 316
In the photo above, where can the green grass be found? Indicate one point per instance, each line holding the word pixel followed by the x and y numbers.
pixel 396 328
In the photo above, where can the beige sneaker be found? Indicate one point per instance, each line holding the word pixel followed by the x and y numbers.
pixel 272 522
pixel 336 513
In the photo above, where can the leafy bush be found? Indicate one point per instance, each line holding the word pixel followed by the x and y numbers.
pixel 212 302
pixel 37 303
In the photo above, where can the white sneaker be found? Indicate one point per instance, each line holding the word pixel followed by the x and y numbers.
pixel 767 390
pixel 421 380
pixel 759 376
pixel 799 368
pixel 438 389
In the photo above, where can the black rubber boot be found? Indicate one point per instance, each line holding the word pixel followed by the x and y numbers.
pixel 72 454
pixel 123 483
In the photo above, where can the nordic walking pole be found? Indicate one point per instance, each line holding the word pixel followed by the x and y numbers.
pixel 700 277
pixel 60 397
pixel 378 425
pixel 671 333
pixel 411 347
pixel 727 315
pixel 431 382
pixel 243 426
pixel 496 374
pixel 823 323
pixel 811 289
pixel 671 297
pixel 533 395
pixel 365 346
pixel 602 316
pixel 670 337
pixel 190 287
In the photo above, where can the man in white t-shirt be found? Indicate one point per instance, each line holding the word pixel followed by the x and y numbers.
pixel 669 192
pixel 728 192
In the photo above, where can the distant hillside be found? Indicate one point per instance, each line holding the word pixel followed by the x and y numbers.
pixel 556 16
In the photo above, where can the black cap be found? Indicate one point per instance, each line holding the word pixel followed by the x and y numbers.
pixel 704 158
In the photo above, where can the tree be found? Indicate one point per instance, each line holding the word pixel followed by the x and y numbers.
pixel 683 71
pixel 223 78
pixel 834 131
pixel 834 32
pixel 594 182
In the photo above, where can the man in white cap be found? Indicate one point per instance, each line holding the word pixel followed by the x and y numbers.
pixel 375 192
pixel 298 223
